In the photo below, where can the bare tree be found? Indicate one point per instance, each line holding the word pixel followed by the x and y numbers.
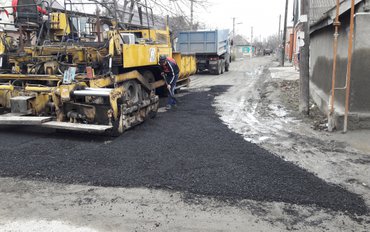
pixel 272 42
pixel 179 12
pixel 179 23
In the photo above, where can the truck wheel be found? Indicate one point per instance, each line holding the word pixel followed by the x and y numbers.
pixel 218 71
pixel 227 66
pixel 222 68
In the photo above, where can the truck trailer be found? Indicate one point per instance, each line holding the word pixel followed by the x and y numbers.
pixel 212 49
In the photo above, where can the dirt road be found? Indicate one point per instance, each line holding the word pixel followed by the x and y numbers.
pixel 217 163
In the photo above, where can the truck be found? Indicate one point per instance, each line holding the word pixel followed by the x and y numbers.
pixel 211 48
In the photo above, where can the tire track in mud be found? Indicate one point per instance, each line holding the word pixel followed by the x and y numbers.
pixel 241 109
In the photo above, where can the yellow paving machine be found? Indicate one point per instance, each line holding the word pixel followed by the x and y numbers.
pixel 54 76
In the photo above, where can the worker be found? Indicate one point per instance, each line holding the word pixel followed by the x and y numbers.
pixel 170 74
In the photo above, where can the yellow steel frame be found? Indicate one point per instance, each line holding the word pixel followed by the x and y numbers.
pixel 140 55
pixel 109 81
pixel 153 35
pixel 2 46
pixel 59 24
pixel 187 64
pixel 114 96
pixel 39 103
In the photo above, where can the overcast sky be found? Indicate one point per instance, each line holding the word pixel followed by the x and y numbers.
pixel 263 15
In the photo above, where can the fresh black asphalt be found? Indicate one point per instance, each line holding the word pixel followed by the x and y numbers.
pixel 187 149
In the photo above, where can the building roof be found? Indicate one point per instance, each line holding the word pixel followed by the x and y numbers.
pixel 328 17
pixel 240 40
pixel 319 8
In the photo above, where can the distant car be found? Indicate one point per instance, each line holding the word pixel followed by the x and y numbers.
pixel 267 52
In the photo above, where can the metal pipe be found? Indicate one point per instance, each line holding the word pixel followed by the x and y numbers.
pixel 349 65
pixel 7 87
pixel 99 89
pixel 39 89
pixel 91 93
pixel 334 74
pixel 3 7
pixel 40 77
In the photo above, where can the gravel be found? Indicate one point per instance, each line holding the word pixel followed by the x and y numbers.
pixel 187 149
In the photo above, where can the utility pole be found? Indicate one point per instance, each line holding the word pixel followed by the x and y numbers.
pixel 233 27
pixel 251 35
pixel 279 37
pixel 284 35
pixel 251 42
pixel 233 47
pixel 234 34
pixel 304 60
pixel 191 14
pixel 331 123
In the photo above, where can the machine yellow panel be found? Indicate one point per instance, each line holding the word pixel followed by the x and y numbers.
pixel 186 63
pixel 159 36
pixel 138 55
pixel 59 23
pixel 2 47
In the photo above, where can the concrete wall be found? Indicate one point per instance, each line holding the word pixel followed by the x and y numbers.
pixel 360 100
pixel 321 63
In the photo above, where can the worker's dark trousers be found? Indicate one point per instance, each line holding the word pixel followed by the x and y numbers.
pixel 171 99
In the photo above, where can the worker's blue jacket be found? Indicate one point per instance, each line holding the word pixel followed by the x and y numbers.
pixel 171 70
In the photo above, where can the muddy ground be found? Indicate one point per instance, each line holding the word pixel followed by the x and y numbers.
pixel 234 156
